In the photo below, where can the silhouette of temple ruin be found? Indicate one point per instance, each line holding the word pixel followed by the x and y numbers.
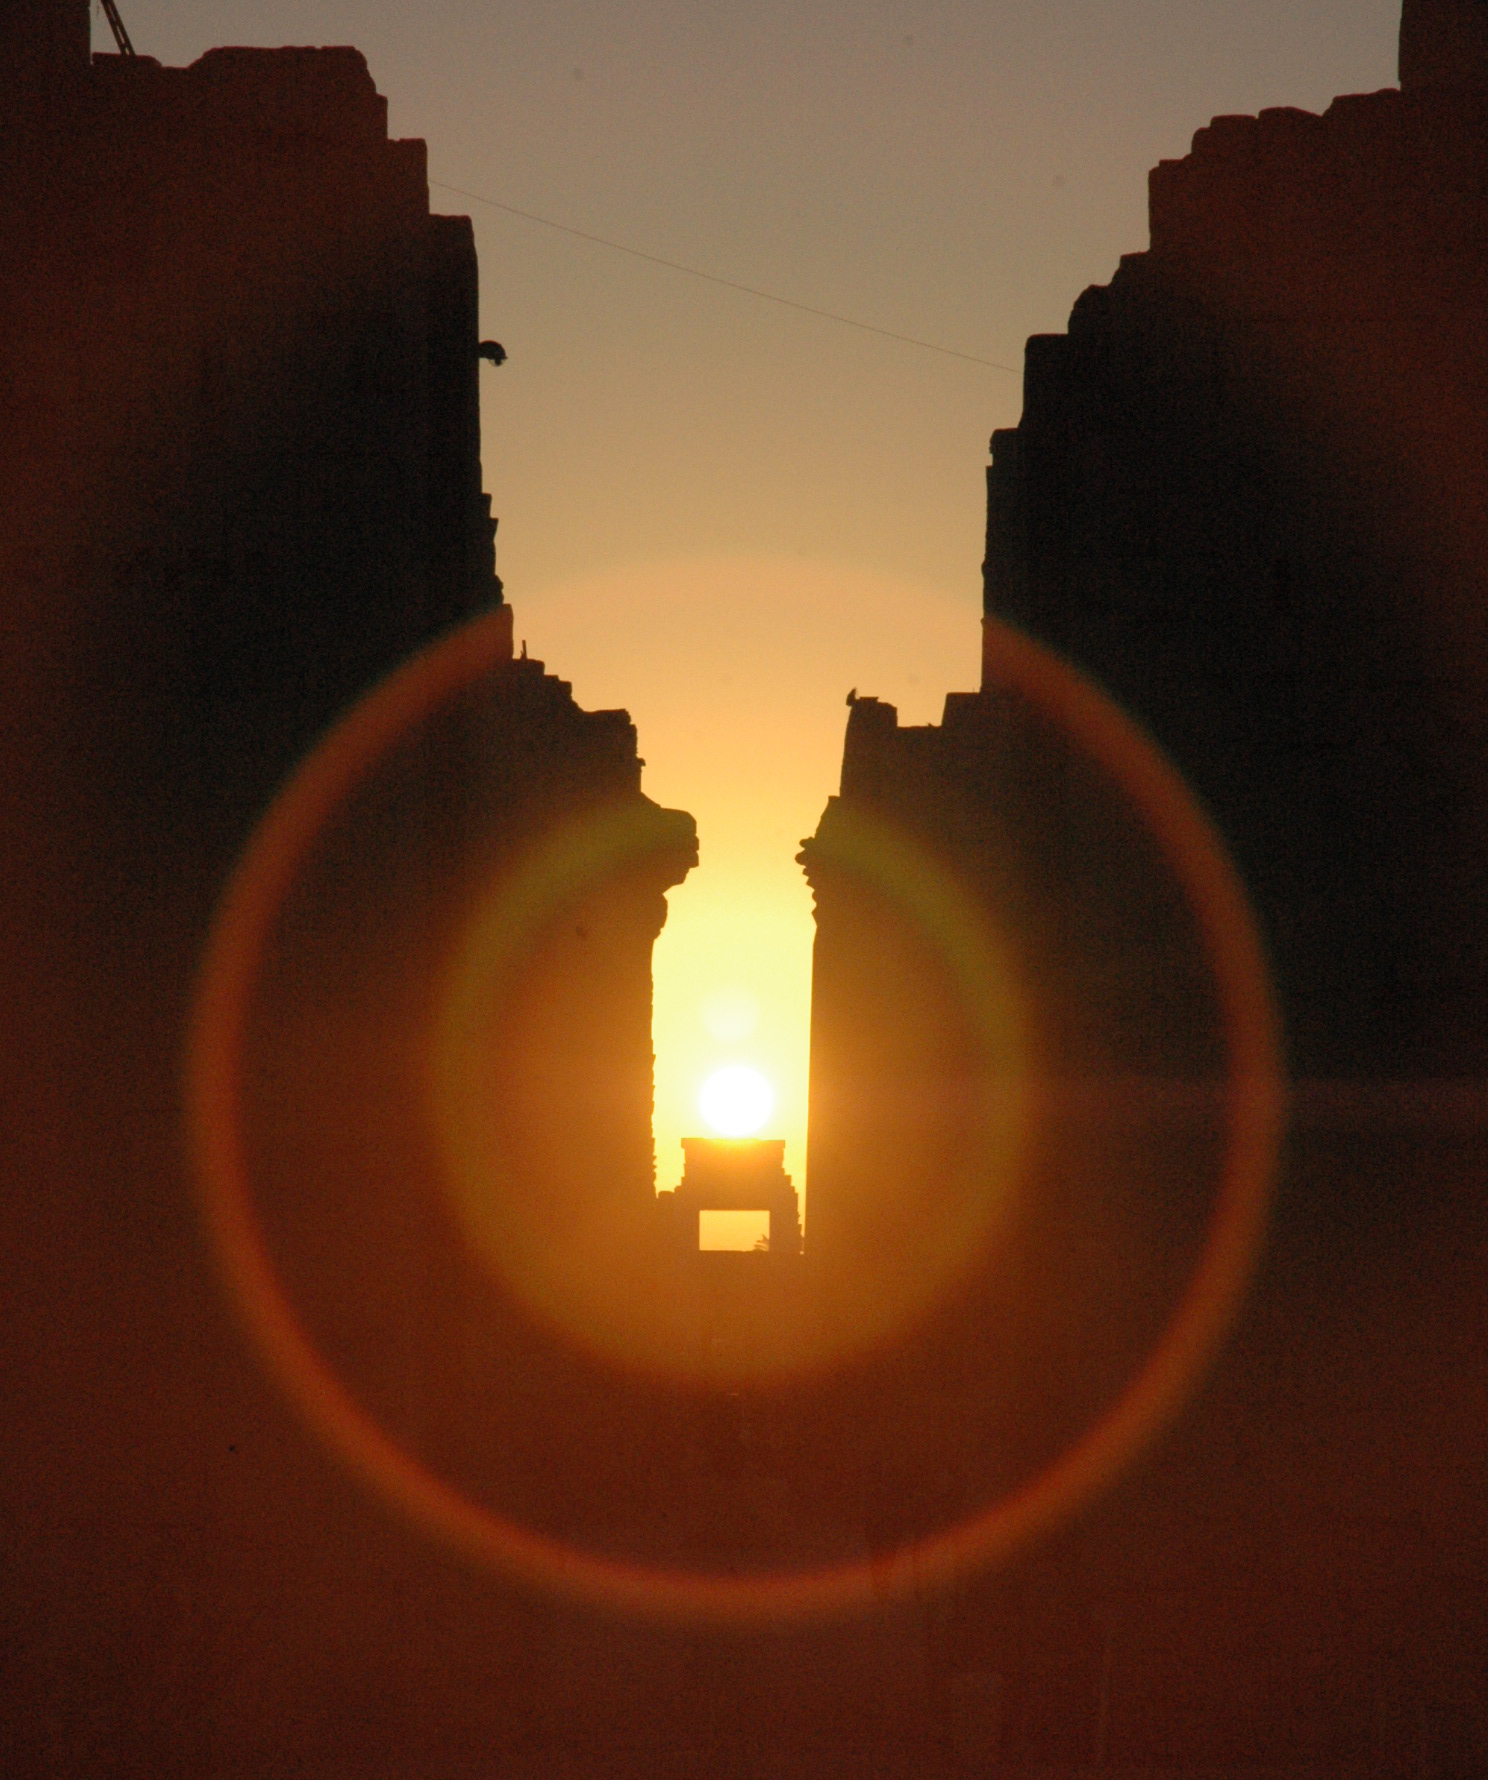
pixel 1246 497
pixel 239 361
pixel 1246 493
pixel 242 463
pixel 244 397
pixel 241 481
pixel 733 1174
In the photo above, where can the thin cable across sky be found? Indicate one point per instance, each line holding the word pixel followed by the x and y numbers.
pixel 748 290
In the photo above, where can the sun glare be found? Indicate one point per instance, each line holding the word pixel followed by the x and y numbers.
pixel 736 1101
pixel 734 671
pixel 730 1014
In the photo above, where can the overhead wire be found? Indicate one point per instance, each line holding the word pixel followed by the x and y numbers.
pixel 749 290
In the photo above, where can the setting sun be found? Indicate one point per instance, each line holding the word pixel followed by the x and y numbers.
pixel 736 1101
pixel 734 670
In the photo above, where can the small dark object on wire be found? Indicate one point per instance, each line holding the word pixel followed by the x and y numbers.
pixel 116 25
pixel 493 350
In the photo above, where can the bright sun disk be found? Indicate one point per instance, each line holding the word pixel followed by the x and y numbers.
pixel 736 1100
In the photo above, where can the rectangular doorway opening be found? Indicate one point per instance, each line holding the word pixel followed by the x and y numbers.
pixel 736 1231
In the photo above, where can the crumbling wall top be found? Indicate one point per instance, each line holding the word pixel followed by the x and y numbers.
pixel 297 92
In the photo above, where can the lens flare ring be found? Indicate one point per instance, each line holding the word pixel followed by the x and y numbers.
pixel 1254 1111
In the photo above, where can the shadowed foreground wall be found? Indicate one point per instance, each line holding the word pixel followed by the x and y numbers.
pixel 241 483
pixel 1246 493
pixel 242 458
pixel 1246 496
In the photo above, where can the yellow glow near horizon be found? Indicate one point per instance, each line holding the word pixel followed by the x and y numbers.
pixel 730 1014
pixel 735 671
pixel 750 924
pixel 733 1231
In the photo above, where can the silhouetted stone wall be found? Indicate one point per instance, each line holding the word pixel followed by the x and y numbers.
pixel 242 443
pixel 1443 43
pixel 572 1064
pixel 738 1174
pixel 240 483
pixel 1246 495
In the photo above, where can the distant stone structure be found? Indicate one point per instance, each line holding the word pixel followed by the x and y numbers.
pixel 733 1315
pixel 732 1174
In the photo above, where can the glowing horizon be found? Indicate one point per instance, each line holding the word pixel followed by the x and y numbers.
pixel 735 671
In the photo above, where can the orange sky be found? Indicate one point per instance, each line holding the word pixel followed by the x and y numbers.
pixel 722 513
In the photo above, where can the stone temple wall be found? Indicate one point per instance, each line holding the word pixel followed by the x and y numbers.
pixel 1246 497
pixel 1245 494
pixel 240 484
pixel 242 446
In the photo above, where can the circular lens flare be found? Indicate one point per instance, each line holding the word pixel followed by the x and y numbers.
pixel 736 1101
pixel 219 1057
